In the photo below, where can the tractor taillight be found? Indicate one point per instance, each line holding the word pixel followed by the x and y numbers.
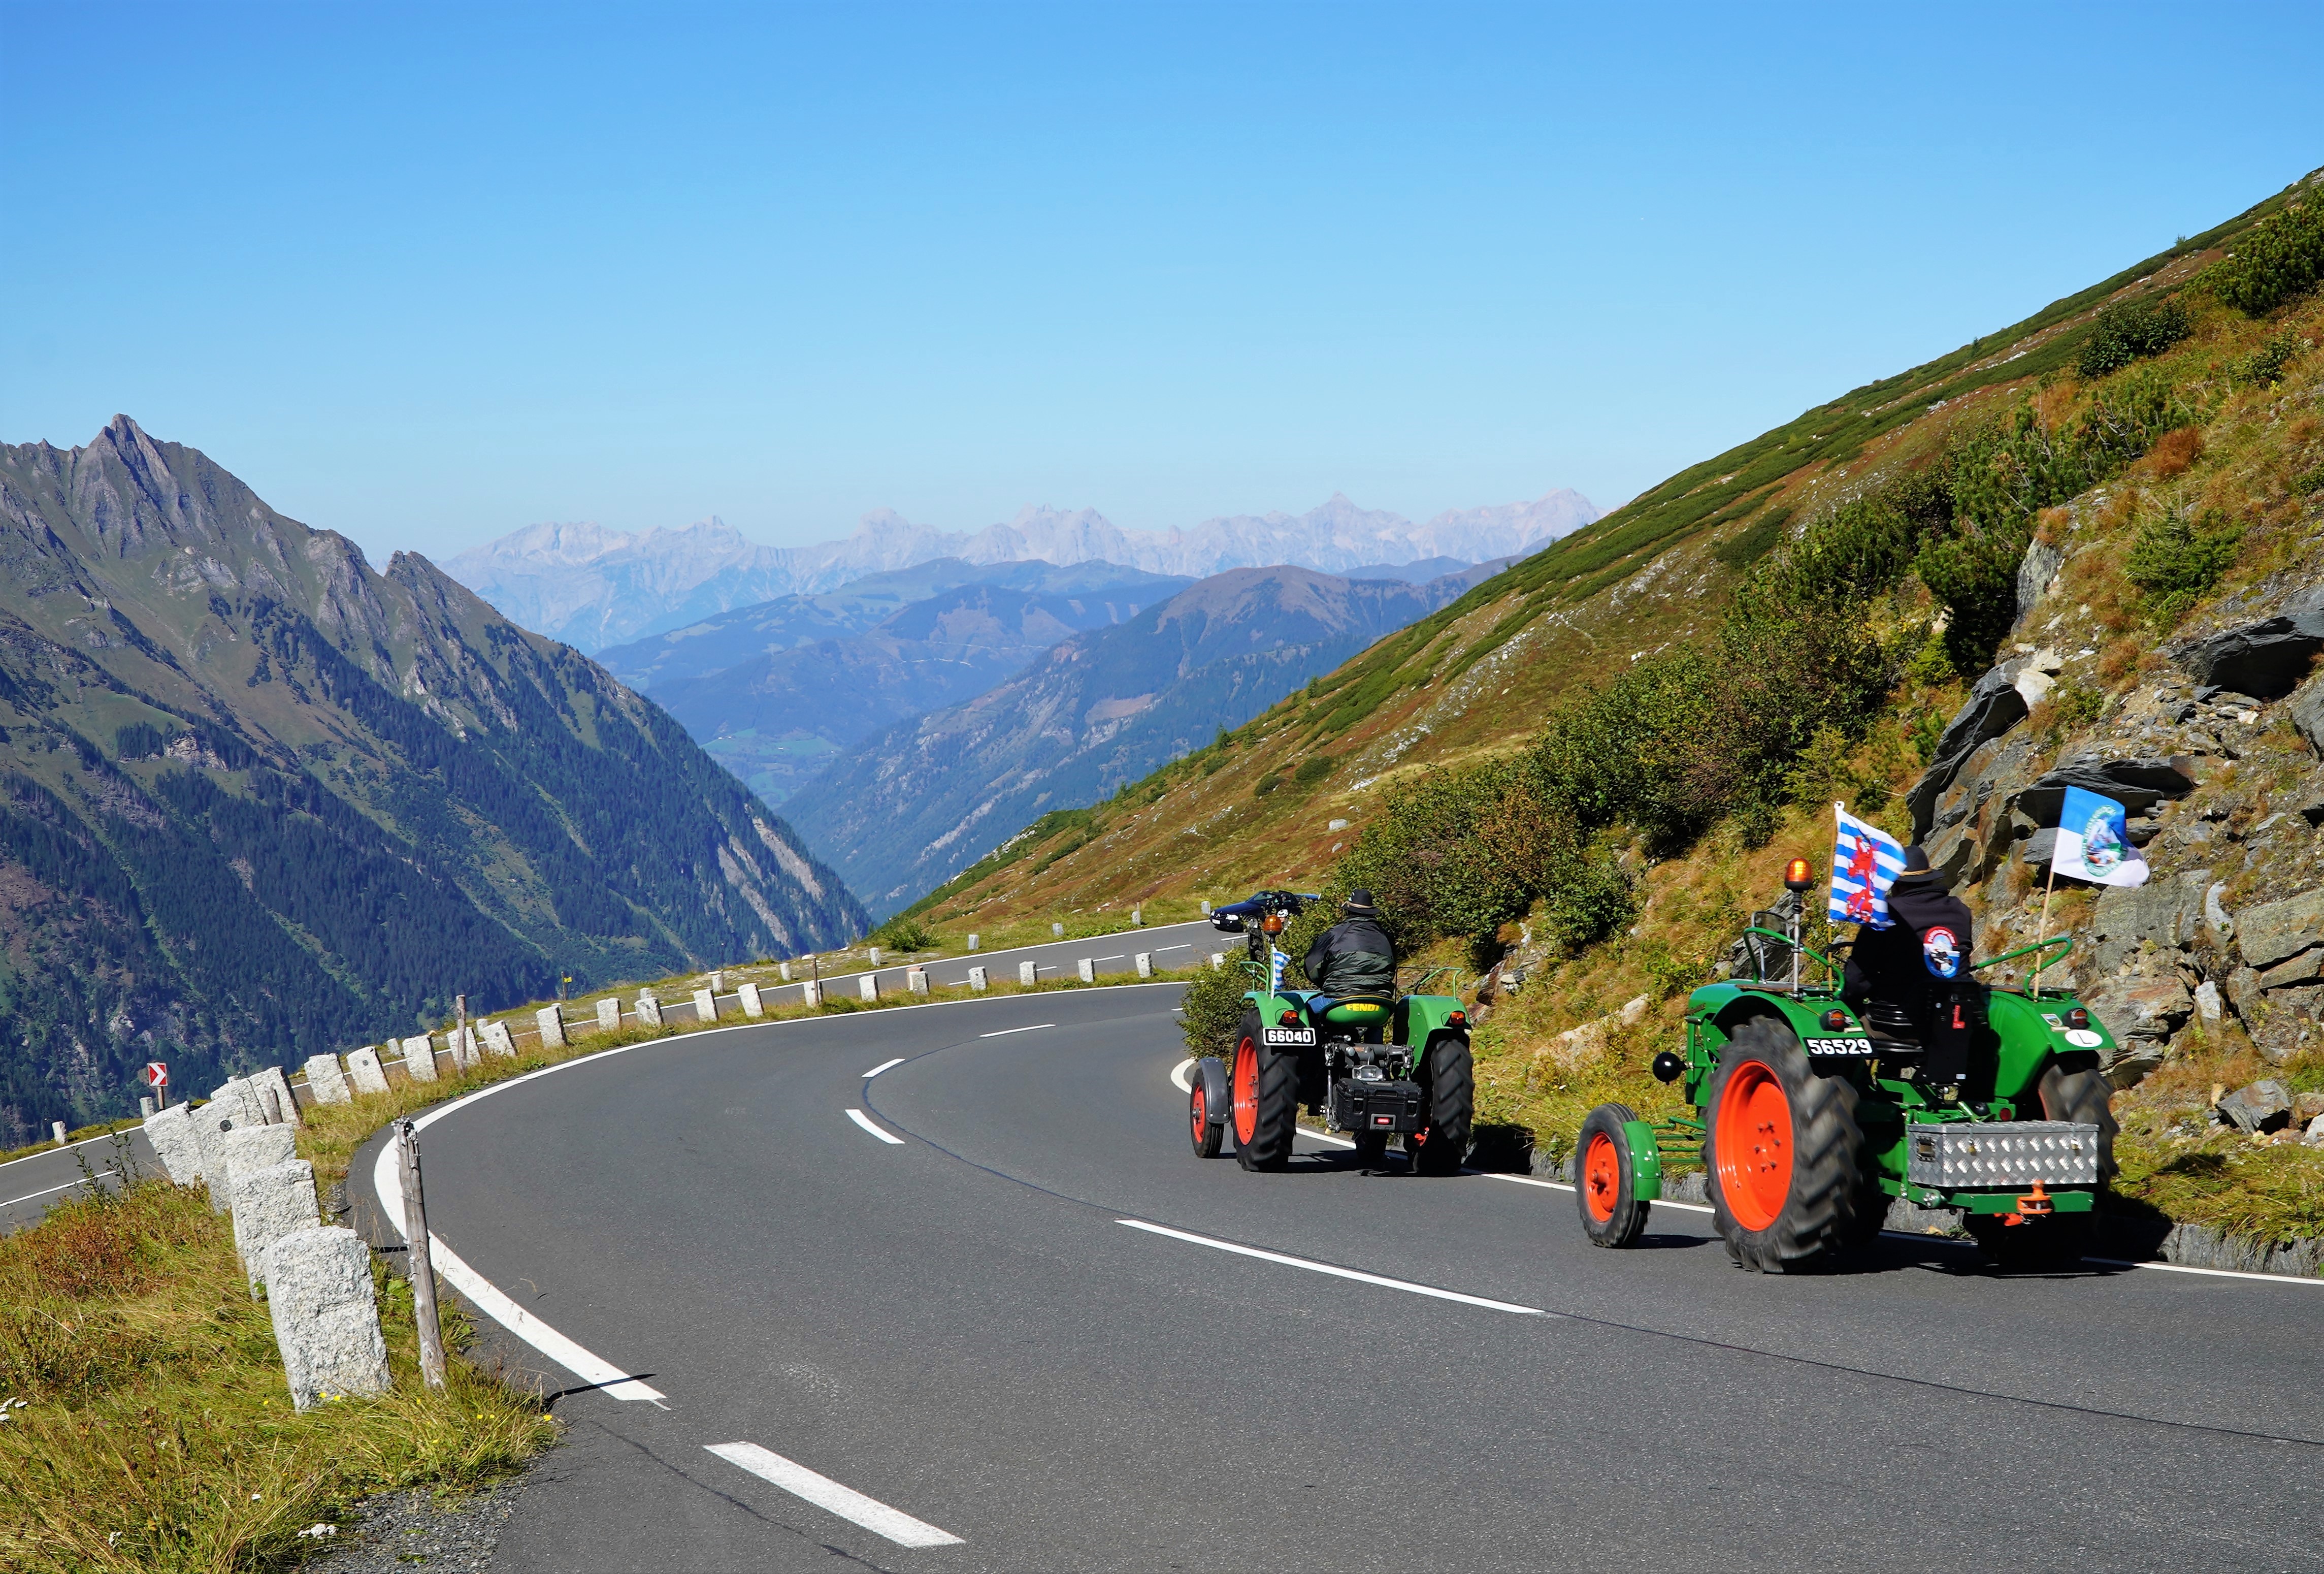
pixel 1290 1019
pixel 2078 1018
pixel 1458 1019
pixel 1835 1020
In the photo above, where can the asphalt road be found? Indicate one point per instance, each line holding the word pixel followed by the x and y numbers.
pixel 31 1186
pixel 973 1338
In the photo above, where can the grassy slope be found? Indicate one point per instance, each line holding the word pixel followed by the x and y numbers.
pixel 1475 678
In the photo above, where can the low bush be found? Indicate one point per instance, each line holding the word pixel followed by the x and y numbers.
pixel 1312 770
pixel 1212 1006
pixel 904 933
pixel 2175 563
pixel 2132 330
pixel 2274 260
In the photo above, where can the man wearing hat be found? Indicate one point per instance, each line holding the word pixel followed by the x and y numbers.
pixel 1920 965
pixel 1354 956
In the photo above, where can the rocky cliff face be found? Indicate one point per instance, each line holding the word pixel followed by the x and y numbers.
pixel 2214 749
pixel 257 799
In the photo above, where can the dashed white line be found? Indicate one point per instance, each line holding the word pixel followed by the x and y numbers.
pixel 824 1493
pixel 883 1066
pixel 1337 1273
pixel 864 1120
pixel 1005 1031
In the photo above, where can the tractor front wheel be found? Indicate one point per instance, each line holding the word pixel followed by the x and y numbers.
pixel 1207 1134
pixel 1449 1081
pixel 1265 1083
pixel 1784 1155
pixel 1606 1179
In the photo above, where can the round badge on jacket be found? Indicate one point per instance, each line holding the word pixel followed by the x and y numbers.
pixel 1942 952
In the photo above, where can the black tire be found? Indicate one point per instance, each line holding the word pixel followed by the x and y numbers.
pixel 1265 1084
pixel 1207 1134
pixel 1449 1081
pixel 1371 1151
pixel 1606 1179
pixel 2034 1245
pixel 1818 1211
pixel 2085 1097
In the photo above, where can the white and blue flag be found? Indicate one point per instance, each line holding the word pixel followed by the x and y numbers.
pixel 1276 962
pixel 2094 841
pixel 1865 862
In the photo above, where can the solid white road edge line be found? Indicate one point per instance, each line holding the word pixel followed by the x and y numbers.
pixel 1908 1235
pixel 1313 1267
pixel 824 1493
pixel 1182 1075
pixel 883 1066
pixel 28 1197
pixel 1005 1031
pixel 864 1120
pixel 488 1299
pixel 69 1147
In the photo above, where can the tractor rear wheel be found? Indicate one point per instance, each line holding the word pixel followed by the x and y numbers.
pixel 1266 1087
pixel 1786 1160
pixel 2084 1097
pixel 1606 1179
pixel 1207 1136
pixel 1448 1079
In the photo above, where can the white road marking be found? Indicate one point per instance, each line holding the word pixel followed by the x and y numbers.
pixel 864 1120
pixel 1561 1186
pixel 69 1147
pixel 883 1066
pixel 28 1197
pixel 1336 1272
pixel 824 1493
pixel 1182 1075
pixel 1182 946
pixel 1005 1031
pixel 1911 1235
pixel 1095 960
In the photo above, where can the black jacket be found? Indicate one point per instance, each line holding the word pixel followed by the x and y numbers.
pixel 1353 956
pixel 1916 963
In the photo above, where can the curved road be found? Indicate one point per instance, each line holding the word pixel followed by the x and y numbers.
pixel 986 1311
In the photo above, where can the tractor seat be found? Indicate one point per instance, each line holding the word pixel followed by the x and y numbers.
pixel 1891 1025
pixel 1349 1010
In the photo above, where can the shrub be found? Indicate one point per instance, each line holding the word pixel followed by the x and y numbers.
pixel 2175 452
pixel 1212 1005
pixel 904 933
pixel 1267 784
pixel 2264 365
pixel 2175 563
pixel 2131 331
pixel 1313 769
pixel 2274 260
pixel 1754 541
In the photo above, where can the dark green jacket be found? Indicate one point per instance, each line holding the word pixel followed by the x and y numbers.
pixel 1353 956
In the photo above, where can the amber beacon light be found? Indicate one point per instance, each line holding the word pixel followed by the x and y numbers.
pixel 1798 874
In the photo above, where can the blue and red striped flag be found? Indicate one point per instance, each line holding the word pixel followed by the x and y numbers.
pixel 1865 862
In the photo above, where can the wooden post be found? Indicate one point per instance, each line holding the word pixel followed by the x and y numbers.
pixel 418 1262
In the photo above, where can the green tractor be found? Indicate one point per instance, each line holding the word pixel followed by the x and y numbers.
pixel 1810 1119
pixel 1377 1067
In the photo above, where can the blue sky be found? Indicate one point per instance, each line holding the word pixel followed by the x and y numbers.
pixel 428 273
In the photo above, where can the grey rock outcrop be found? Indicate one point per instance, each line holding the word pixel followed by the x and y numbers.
pixel 1993 708
pixel 2165 913
pixel 2262 1106
pixel 318 1289
pixel 2039 567
pixel 2274 932
pixel 2142 1014
pixel 2265 657
pixel 2307 711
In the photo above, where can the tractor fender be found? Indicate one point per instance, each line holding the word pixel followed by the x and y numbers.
pixel 2031 1034
pixel 1218 1095
pixel 1645 1159
pixel 1419 1018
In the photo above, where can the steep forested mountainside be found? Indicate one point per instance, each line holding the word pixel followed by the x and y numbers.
pixel 257 799
pixel 778 718
pixel 907 807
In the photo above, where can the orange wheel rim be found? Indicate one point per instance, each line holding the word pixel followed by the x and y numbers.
pixel 1602 1177
pixel 1200 1113
pixel 1753 1140
pixel 1246 1091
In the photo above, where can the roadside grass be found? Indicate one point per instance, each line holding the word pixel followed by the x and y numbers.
pixel 2175 1158
pixel 151 1428
pixel 156 1432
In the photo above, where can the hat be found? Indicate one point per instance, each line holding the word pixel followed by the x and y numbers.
pixel 1359 902
pixel 1917 871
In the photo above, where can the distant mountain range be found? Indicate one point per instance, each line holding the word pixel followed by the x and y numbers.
pixel 775 691
pixel 595 588
pixel 258 801
pixel 913 804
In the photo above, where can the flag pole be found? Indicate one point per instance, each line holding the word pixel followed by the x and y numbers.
pixel 2041 930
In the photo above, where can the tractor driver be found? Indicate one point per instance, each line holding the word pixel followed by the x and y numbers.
pixel 1354 956
pixel 1920 965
